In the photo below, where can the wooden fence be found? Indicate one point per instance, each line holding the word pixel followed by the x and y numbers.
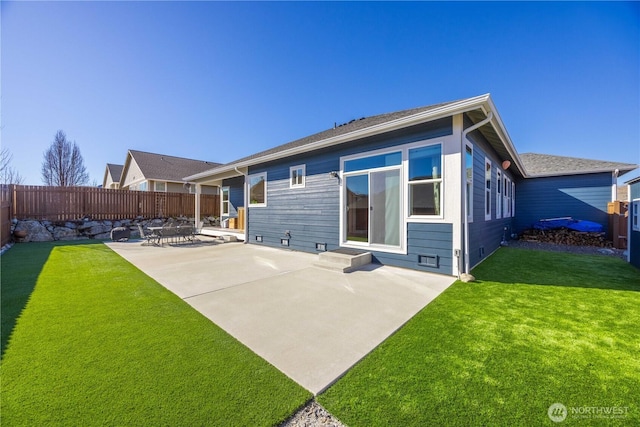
pixel 71 203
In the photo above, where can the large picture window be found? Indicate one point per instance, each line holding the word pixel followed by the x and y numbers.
pixel 258 190
pixel 499 195
pixel 635 215
pixel 425 181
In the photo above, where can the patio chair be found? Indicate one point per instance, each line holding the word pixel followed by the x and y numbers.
pixel 151 238
pixel 186 231
pixel 169 232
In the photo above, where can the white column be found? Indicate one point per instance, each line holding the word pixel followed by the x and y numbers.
pixel 197 198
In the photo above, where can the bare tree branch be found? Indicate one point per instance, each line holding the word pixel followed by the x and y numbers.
pixel 8 175
pixel 63 164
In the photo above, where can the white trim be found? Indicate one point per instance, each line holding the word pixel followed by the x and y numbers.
pixel 635 215
pixel 487 191
pixel 304 175
pixel 257 175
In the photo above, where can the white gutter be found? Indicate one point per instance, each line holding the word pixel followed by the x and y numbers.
pixel 246 204
pixel 465 216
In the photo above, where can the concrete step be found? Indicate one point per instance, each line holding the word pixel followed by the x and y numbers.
pixel 343 260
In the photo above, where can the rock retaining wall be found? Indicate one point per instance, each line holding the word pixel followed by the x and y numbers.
pixel 46 231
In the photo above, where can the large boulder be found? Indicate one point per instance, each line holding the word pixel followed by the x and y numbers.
pixel 36 232
pixel 64 233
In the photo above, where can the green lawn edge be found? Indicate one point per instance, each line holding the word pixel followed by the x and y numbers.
pixel 88 339
pixel 537 328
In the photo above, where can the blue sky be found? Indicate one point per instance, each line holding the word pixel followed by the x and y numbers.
pixel 217 81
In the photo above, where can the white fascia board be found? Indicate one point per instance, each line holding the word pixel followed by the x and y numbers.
pixel 434 114
pixel 506 139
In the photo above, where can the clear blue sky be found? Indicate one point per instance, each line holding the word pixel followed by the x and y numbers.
pixel 217 81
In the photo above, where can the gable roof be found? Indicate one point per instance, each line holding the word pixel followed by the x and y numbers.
pixel 115 171
pixel 538 165
pixel 162 167
pixel 374 125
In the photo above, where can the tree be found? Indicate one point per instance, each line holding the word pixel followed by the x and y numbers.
pixel 63 164
pixel 8 175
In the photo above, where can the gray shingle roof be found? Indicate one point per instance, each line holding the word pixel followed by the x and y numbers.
pixel 168 168
pixel 115 171
pixel 351 126
pixel 547 165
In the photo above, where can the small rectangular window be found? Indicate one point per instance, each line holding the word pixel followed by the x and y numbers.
pixel 258 190
pixel 513 199
pixel 487 189
pixel 373 162
pixel 297 176
pixel 160 186
pixel 499 195
pixel 635 216
pixel 224 200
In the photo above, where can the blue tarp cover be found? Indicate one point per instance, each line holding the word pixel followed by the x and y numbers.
pixel 570 223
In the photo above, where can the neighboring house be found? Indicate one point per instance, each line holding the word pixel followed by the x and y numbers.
pixel 111 177
pixel 431 188
pixel 144 171
pixel 560 186
pixel 633 254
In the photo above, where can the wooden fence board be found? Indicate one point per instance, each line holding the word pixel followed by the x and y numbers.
pixel 71 203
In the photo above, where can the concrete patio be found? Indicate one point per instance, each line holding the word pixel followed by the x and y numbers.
pixel 312 324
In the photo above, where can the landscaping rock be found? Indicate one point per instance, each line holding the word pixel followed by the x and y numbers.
pixel 312 415
pixel 64 233
pixel 36 231
pixel 466 278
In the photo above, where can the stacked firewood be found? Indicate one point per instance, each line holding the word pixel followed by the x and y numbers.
pixel 564 236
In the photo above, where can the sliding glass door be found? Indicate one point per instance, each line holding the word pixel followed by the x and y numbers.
pixel 373 207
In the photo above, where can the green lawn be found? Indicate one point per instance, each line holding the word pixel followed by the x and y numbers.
pixel 537 328
pixel 88 339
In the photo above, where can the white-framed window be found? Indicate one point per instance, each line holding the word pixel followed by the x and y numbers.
pixel 513 199
pixel 425 181
pixel 487 189
pixel 635 215
pixel 224 202
pixel 258 190
pixel 506 197
pixel 498 194
pixel 297 176
pixel 160 186
pixel 469 174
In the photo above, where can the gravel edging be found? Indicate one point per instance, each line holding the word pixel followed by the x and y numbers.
pixel 312 415
pixel 553 247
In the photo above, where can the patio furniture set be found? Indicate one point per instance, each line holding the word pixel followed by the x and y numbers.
pixel 170 233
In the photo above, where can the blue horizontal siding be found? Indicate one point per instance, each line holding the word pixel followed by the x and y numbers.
pixel 582 197
pixel 311 214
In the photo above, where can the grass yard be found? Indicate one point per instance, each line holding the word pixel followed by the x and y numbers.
pixel 537 328
pixel 88 339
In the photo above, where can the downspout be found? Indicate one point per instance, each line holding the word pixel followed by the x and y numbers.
pixel 465 217
pixel 246 205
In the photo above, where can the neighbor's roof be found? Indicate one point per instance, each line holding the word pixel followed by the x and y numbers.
pixel 368 126
pixel 538 165
pixel 115 171
pixel 167 168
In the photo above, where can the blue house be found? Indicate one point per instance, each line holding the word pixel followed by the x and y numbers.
pixel 431 188
pixel 634 222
